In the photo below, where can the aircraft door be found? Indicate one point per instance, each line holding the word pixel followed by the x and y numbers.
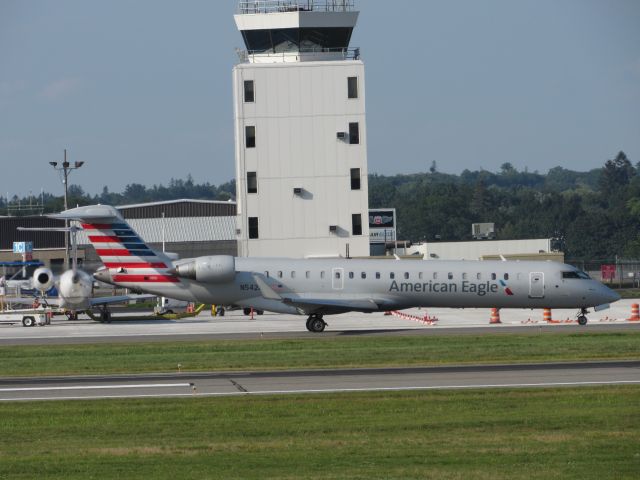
pixel 536 285
pixel 337 278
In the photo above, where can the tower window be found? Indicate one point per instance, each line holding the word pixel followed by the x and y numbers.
pixel 352 87
pixel 248 91
pixel 356 224
pixel 354 133
pixel 252 182
pixel 250 136
pixel 253 227
pixel 355 179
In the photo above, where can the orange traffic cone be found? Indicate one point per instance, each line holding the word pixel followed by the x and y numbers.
pixel 495 316
pixel 546 315
pixel 635 313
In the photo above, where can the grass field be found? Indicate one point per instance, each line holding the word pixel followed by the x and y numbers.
pixel 330 352
pixel 582 433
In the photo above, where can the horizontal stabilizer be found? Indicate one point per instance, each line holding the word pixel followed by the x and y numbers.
pixel 91 212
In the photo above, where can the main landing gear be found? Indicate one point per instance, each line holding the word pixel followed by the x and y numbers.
pixel 105 314
pixel 582 316
pixel 315 323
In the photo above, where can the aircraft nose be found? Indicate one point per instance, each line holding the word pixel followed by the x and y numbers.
pixel 609 295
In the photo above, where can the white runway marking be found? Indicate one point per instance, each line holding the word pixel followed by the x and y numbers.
pixel 96 387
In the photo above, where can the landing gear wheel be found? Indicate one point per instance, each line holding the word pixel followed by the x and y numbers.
pixel 582 320
pixel 105 316
pixel 260 312
pixel 316 324
pixel 28 321
pixel 220 312
pixel 246 311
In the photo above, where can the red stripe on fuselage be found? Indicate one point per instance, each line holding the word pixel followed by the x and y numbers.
pixel 97 226
pixel 113 253
pixel 104 239
pixel 145 279
pixel 134 265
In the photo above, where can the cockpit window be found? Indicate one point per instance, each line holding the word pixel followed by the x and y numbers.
pixel 575 274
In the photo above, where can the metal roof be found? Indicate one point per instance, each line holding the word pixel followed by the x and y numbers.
pixel 180 229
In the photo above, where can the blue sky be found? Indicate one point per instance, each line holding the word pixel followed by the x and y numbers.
pixel 141 90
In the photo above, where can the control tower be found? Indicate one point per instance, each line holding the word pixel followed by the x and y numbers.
pixel 300 131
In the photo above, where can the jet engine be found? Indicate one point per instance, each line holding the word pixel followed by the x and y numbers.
pixel 42 279
pixel 213 269
pixel 75 287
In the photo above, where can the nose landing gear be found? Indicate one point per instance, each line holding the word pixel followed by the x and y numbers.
pixel 582 316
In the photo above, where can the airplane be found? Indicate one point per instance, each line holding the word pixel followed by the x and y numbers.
pixel 74 286
pixel 323 286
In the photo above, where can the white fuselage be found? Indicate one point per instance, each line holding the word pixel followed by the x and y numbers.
pixel 338 285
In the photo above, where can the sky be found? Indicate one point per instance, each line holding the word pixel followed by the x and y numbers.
pixel 141 91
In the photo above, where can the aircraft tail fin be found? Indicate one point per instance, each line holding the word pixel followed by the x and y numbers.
pixel 129 259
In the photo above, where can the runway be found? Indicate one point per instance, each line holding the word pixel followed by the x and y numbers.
pixel 194 385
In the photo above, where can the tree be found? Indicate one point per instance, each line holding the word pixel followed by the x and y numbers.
pixel 616 173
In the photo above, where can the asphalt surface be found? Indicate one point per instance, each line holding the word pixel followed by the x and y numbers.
pixel 195 385
pixel 235 325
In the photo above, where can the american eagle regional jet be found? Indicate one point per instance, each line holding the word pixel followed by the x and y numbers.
pixel 317 287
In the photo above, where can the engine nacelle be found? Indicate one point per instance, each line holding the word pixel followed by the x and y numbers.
pixel 42 279
pixel 75 287
pixel 213 269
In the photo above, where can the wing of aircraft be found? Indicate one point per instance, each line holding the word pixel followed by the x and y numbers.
pixel 312 304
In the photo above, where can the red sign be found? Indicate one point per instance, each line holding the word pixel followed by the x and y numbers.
pixel 608 272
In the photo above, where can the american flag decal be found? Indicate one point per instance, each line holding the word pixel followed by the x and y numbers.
pixel 120 248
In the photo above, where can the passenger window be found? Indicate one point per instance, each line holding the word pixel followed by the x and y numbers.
pixel 322 274
pixel 337 274
pixel 307 274
pixel 493 276
pixel 363 275
pixel 378 275
pixel 420 275
pixel 450 276
pixel 266 274
pixel 435 275
pixel 392 275
pixel 406 275
pixel 464 275
pixel 293 274
pixel 479 276
pixel 506 276
pixel 350 274
pixel 279 274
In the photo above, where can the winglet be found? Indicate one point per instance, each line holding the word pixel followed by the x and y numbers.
pixel 266 291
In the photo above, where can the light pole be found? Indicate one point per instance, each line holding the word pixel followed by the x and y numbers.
pixel 65 169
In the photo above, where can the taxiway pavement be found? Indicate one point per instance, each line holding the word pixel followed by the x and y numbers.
pixel 320 381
